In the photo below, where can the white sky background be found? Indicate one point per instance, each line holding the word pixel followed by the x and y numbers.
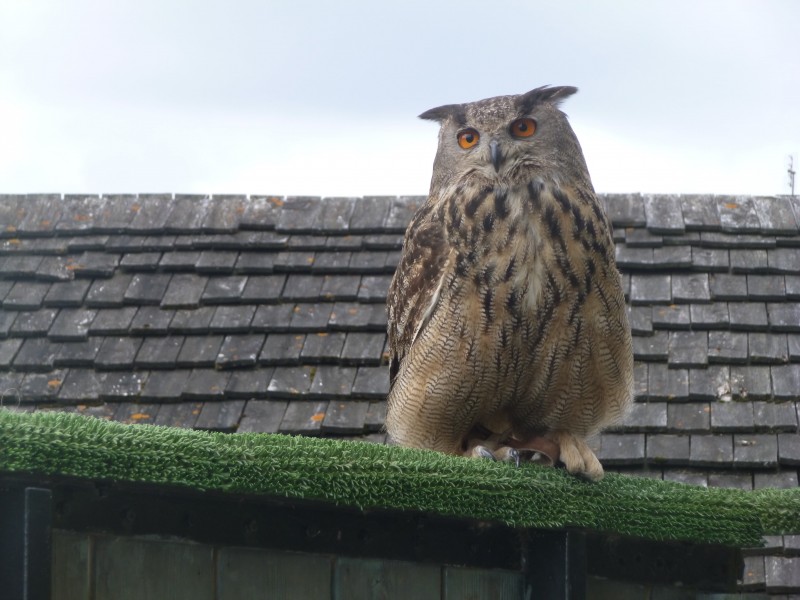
pixel 321 98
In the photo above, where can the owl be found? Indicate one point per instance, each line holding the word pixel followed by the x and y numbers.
pixel 508 332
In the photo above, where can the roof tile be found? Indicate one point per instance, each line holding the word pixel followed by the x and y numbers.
pixel 146 288
pixel 376 416
pixel 290 381
pixel 750 316
pixel 239 351
pixel 282 349
pixel 667 448
pixel 80 385
pixel 653 347
pixel 737 214
pixel 112 321
pixel 78 354
pixel 25 295
pixel 248 383
pixel 31 323
pixel 186 213
pixel 712 383
pixel 71 324
pixel 151 320
pixel 748 261
pixel 224 289
pixel 304 418
pixel 401 209
pixel 311 317
pixel 709 316
pixel 710 259
pixel 299 214
pixel 789 449
pixel 193 321
pixel 672 316
pixel 70 294
pixel 41 387
pixel 775 215
pixel 263 416
pixel 752 383
pixel 727 347
pixel 625 210
pixel 35 354
pixel 786 382
pixel 272 318
pixel 784 316
pixel 220 416
pixel 731 416
pixel 771 416
pixel 667 384
pixel 755 450
pixel 260 212
pixel 119 386
pixel 663 214
pixel 322 347
pixel 699 212
pixel 621 449
pixel 369 214
pixel 345 418
pixel 205 384
pixel 645 416
pixel 691 288
pixel 165 386
pixel 108 293
pixel 117 353
pixel 199 352
pixel 263 288
pixel 184 291
pixel 183 414
pixel 688 349
pixel 646 289
pixel 159 352
pixel 151 211
pixel 333 382
pixel 371 382
pixel 711 450
pixel 232 319
pixel 741 481
pixel 689 418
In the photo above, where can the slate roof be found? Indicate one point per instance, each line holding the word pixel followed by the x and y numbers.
pixel 260 313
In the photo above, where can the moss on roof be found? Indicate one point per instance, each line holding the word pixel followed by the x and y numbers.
pixel 363 475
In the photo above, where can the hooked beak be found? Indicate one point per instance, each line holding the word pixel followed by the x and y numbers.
pixel 497 158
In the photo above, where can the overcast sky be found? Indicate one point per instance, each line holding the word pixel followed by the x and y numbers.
pixel 289 98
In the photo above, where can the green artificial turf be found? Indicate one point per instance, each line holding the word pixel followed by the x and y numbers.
pixel 367 475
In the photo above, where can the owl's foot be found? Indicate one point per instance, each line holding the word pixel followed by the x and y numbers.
pixel 505 453
pixel 576 455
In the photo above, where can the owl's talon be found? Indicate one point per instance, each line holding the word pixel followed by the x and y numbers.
pixel 482 452
pixel 508 454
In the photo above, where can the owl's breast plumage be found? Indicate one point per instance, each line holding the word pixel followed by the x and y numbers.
pixel 526 285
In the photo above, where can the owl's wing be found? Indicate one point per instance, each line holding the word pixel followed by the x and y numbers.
pixel 416 284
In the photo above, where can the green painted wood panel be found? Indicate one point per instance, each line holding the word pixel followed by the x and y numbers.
pixel 70 569
pixel 246 574
pixel 478 584
pixel 361 579
pixel 143 569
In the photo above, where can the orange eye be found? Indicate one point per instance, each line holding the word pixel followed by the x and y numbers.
pixel 522 128
pixel 468 138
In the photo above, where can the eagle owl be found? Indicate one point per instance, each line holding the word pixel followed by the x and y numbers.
pixel 508 334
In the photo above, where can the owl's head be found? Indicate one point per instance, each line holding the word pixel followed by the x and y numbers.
pixel 507 139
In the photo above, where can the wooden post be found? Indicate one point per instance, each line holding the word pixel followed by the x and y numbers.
pixel 25 542
pixel 554 564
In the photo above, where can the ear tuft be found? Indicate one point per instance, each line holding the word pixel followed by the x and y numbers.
pixel 546 94
pixel 440 113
